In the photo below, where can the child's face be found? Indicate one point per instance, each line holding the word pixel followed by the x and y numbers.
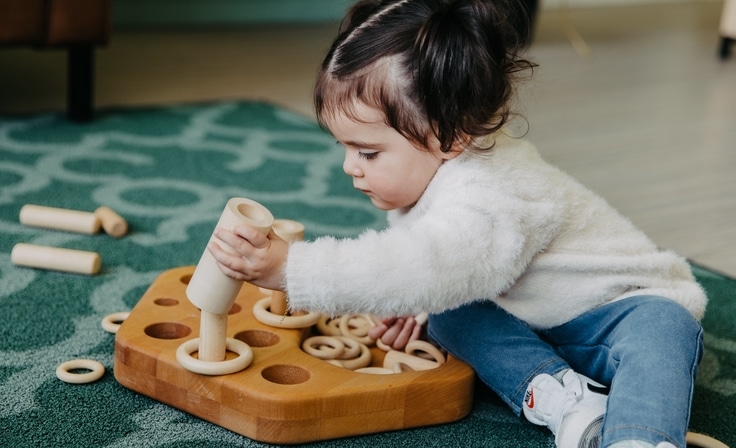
pixel 383 163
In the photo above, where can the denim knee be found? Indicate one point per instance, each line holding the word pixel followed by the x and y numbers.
pixel 668 318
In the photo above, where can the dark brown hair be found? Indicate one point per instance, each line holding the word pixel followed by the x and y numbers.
pixel 438 67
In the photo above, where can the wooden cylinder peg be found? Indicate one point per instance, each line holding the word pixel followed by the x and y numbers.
pixel 56 259
pixel 289 231
pixel 212 330
pixel 59 219
pixel 113 224
pixel 209 288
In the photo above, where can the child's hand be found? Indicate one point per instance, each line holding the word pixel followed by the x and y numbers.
pixel 251 256
pixel 396 332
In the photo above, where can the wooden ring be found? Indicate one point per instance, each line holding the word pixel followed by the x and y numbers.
pixel 425 347
pixel 352 347
pixel 245 357
pixel 329 326
pixel 324 347
pixel 359 332
pixel 402 367
pixel 95 373
pixel 703 441
pixel 375 371
pixel 354 325
pixel 262 313
pixel 361 361
pixel 335 362
pixel 110 322
pixel 382 345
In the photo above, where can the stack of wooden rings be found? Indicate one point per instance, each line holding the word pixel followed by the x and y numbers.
pixel 342 351
pixel 343 341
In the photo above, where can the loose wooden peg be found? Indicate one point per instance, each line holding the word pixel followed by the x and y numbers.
pixel 56 259
pixel 211 290
pixel 113 224
pixel 59 219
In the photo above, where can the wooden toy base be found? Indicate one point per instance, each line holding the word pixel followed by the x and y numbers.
pixel 285 396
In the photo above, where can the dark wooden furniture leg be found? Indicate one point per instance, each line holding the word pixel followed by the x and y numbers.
pixel 80 83
pixel 725 50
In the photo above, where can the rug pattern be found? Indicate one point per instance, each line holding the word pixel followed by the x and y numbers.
pixel 170 171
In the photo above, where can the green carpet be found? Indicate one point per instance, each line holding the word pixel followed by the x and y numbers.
pixel 169 172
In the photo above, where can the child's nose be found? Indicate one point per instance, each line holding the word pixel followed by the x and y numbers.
pixel 351 166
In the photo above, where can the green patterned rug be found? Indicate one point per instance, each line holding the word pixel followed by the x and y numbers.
pixel 169 172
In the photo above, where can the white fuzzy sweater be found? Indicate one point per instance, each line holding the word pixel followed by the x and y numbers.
pixel 503 226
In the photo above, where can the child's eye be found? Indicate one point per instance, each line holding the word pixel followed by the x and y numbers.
pixel 368 155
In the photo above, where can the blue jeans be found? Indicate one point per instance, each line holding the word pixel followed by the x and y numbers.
pixel 646 348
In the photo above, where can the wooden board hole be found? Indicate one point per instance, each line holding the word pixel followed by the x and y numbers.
pixel 285 374
pixel 258 338
pixel 235 309
pixel 167 330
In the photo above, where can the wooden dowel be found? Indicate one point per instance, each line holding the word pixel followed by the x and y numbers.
pixel 279 303
pixel 114 225
pixel 56 259
pixel 59 219
pixel 290 231
pixel 211 290
pixel 212 330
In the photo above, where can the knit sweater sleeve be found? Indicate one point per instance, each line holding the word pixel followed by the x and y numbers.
pixel 464 240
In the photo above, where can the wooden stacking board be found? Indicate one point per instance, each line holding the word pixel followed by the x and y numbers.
pixel 285 396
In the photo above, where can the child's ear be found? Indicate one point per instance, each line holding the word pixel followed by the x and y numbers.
pixel 456 150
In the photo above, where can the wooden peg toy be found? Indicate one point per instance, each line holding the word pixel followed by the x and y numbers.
pixel 113 224
pixel 213 292
pixel 56 259
pixel 59 219
pixel 285 396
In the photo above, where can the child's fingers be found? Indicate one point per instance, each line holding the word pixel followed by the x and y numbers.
pixel 377 331
pixel 405 334
pixel 393 331
pixel 252 235
pixel 416 332
pixel 231 265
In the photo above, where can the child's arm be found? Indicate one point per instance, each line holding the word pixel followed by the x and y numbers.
pixel 253 256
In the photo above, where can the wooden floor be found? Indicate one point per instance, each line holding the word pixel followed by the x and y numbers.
pixel 633 101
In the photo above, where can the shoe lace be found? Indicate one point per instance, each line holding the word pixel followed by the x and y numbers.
pixel 573 394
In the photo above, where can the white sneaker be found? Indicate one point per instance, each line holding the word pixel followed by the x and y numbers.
pixel 573 410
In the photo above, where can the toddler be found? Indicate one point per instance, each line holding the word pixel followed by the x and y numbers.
pixel 563 308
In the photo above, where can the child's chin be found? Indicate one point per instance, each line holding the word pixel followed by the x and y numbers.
pixel 382 205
